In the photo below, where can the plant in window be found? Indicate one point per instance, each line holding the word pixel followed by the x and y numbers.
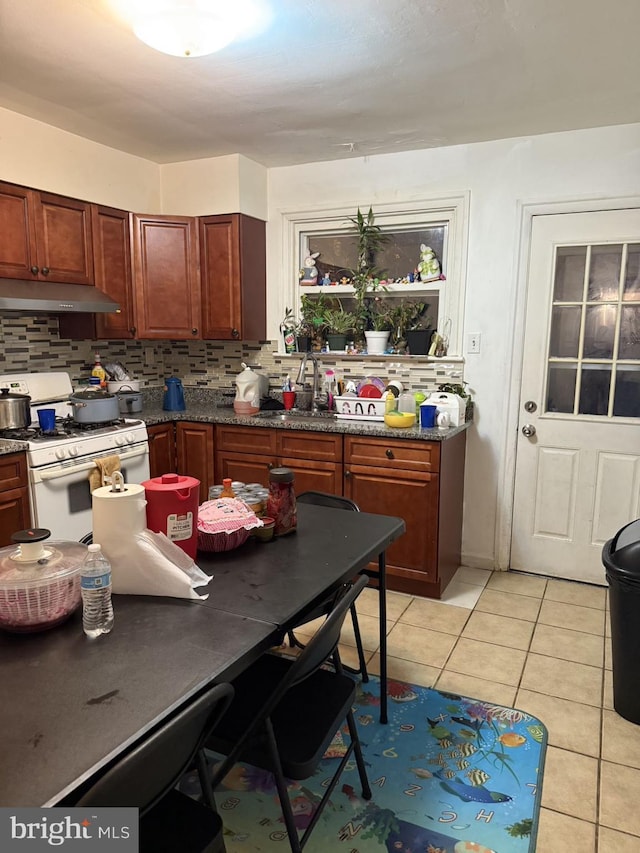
pixel 337 321
pixel 365 278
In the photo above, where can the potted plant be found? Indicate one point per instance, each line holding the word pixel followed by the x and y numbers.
pixel 365 278
pixel 418 329
pixel 381 324
pixel 337 324
pixel 406 318
pixel 309 326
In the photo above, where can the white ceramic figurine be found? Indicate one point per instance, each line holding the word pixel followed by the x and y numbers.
pixel 429 265
pixel 309 273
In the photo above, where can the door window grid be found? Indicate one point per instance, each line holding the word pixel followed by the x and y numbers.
pixel 593 349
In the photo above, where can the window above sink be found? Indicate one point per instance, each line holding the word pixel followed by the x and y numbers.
pixel 441 223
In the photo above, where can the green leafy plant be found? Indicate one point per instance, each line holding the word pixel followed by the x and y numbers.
pixel 408 316
pixel 365 278
pixel 452 388
pixel 337 321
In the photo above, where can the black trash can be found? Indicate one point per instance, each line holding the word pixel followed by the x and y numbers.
pixel 621 558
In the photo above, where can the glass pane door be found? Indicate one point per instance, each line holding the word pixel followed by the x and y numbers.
pixel 593 353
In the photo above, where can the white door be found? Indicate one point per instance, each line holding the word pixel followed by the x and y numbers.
pixel 578 449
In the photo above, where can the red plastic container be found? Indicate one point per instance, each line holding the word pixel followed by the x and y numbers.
pixel 172 509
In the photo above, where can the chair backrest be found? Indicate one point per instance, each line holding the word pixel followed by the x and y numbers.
pixel 325 499
pixel 321 646
pixel 152 768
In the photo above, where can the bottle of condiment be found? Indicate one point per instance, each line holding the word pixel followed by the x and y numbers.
pixel 227 491
pixel 281 503
pixel 99 372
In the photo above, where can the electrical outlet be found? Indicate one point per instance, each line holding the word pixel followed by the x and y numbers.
pixel 473 342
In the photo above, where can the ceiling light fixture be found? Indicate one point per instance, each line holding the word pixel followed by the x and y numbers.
pixel 182 29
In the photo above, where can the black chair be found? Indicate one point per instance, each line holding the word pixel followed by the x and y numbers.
pixel 285 713
pixel 322 608
pixel 145 778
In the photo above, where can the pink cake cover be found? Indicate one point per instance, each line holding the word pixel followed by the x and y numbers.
pixel 226 515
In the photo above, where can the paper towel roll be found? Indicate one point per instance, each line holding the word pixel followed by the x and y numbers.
pixel 138 565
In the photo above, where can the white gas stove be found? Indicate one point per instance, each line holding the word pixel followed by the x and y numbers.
pixel 59 462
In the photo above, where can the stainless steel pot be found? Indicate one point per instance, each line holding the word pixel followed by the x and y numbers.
pixel 14 410
pixel 129 402
pixel 94 406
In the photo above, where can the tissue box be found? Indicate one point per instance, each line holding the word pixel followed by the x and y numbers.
pixel 451 403
pixel 360 408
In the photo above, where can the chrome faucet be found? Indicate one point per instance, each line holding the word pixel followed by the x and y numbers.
pixel 317 399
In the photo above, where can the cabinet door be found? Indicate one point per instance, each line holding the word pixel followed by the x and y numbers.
pixel 17 233
pixel 63 238
pixel 313 476
pixel 249 440
pixel 410 495
pixel 162 449
pixel 247 468
pixel 112 269
pixel 194 446
pixel 166 278
pixel 319 446
pixel 14 513
pixel 233 275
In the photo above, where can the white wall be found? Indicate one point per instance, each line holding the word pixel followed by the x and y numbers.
pixel 604 162
pixel 232 184
pixel 37 155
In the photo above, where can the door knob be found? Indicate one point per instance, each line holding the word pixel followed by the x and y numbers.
pixel 529 430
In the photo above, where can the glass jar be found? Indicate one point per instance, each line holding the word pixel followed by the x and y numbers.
pixel 281 503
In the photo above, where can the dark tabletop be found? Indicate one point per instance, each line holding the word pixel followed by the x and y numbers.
pixel 68 704
pixel 276 580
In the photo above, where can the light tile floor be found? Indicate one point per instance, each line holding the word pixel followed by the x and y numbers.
pixel 543 646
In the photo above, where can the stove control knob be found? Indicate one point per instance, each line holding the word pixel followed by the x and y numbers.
pixel 60 453
pixel 131 437
pixel 73 450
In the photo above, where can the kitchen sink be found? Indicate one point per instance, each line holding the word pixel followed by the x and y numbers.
pixel 294 415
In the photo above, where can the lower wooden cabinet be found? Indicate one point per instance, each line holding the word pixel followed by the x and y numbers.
pixel 15 511
pixel 194 450
pixel 248 454
pixel 421 482
pixel 183 448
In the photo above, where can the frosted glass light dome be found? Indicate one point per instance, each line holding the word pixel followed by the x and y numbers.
pixel 185 31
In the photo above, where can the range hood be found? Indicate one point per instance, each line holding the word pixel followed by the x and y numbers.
pixel 53 298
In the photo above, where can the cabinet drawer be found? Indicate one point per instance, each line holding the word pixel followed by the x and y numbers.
pixel 13 471
pixel 246 439
pixel 408 455
pixel 320 446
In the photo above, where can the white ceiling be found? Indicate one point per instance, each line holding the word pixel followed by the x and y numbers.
pixel 327 79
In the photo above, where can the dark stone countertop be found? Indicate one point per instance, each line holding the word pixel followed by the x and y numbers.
pixel 206 406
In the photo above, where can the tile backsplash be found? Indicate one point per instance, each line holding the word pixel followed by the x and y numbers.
pixel 33 343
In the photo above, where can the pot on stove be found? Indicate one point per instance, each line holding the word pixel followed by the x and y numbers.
pixel 14 410
pixel 94 406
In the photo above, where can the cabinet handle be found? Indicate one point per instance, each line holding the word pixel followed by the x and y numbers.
pixel 389 454
pixel 35 270
pixel 194 331
pixel 132 330
pixel 235 333
pixel 347 474
pixel 270 465
pixel 45 270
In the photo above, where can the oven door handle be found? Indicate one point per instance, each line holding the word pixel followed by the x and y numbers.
pixel 58 473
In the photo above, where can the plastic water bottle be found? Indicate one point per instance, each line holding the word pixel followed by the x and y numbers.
pixel 95 582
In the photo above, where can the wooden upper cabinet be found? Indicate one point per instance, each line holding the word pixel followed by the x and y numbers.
pixel 17 232
pixel 166 277
pixel 44 237
pixel 113 275
pixel 63 239
pixel 112 267
pixel 233 274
